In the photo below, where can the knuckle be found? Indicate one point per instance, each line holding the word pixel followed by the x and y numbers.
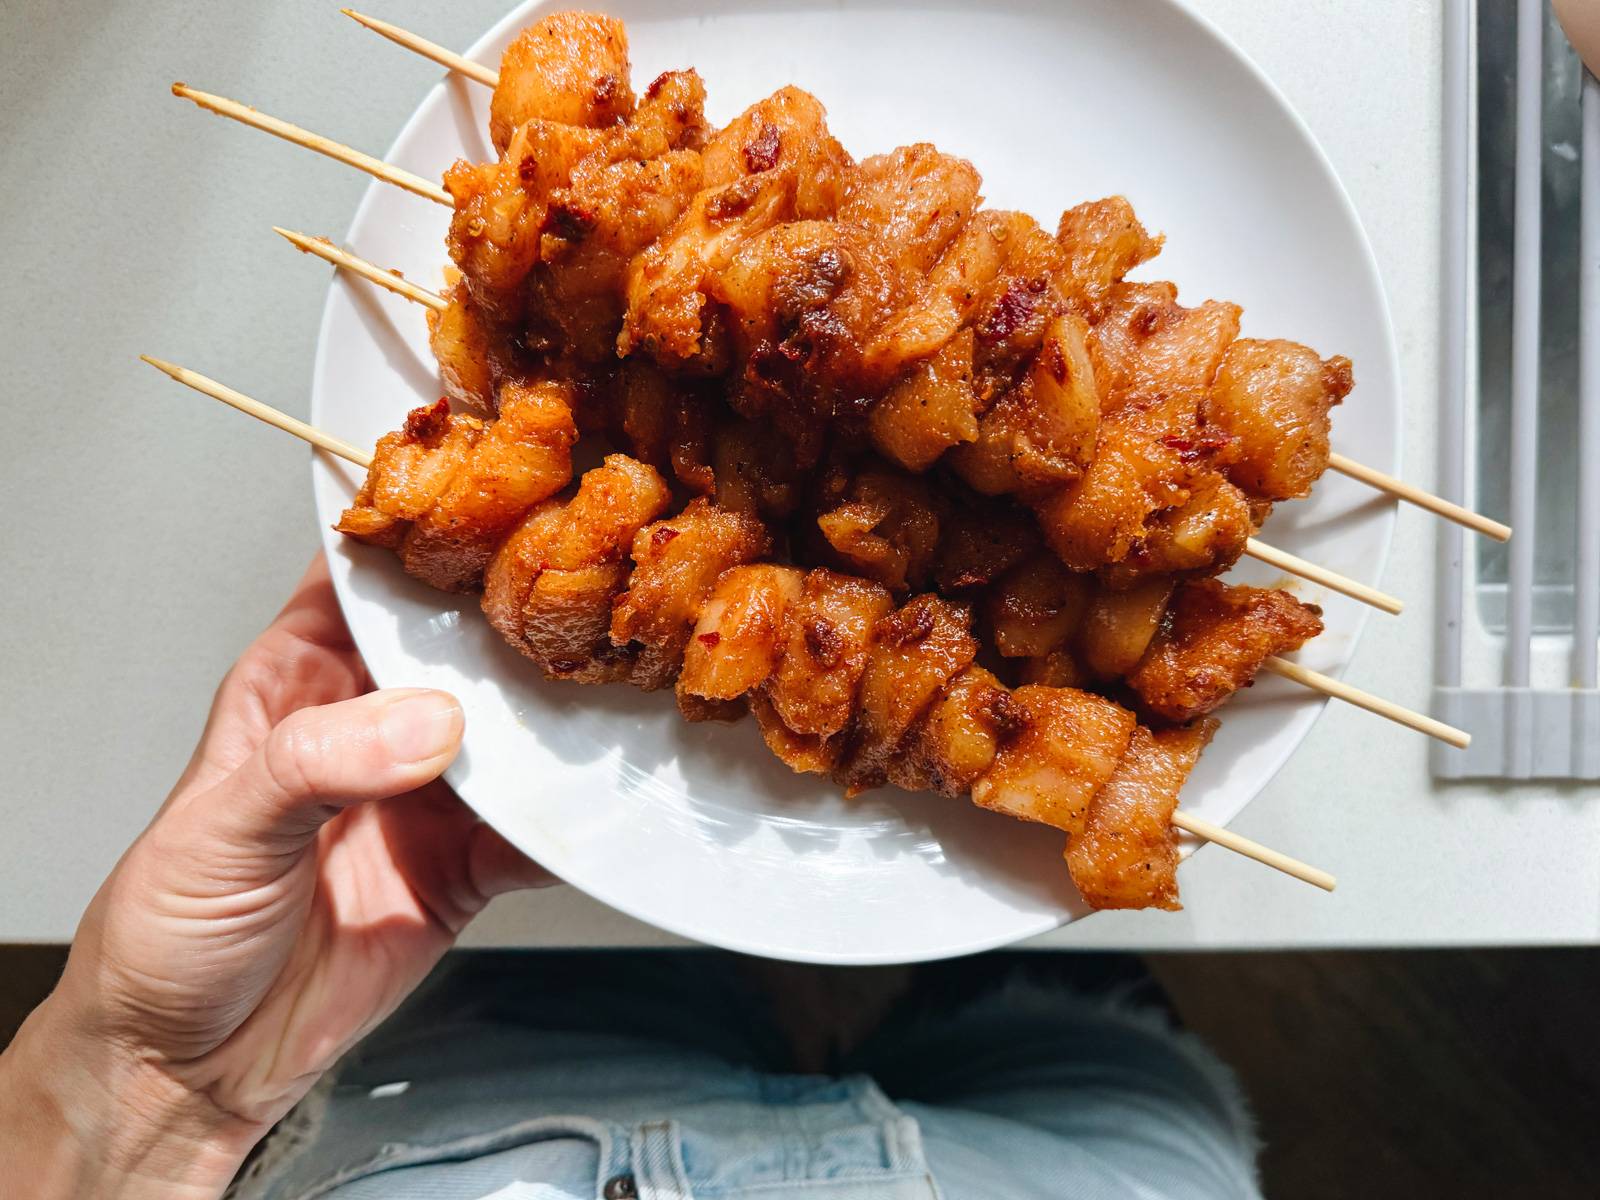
pixel 292 757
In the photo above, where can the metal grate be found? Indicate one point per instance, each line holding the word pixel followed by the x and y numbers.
pixel 1520 403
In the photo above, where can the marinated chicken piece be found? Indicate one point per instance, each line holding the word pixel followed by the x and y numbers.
pixel 519 459
pixel 917 650
pixel 738 636
pixel 1036 607
pixel 755 469
pixel 411 468
pixel 1118 627
pixel 1014 317
pixel 677 562
pixel 1126 855
pixel 666 314
pixel 914 200
pixel 501 209
pixel 1041 433
pixel 549 588
pixel 619 200
pixel 1070 743
pixel 956 740
pixel 568 67
pixel 1061 668
pixel 929 409
pixel 980 540
pixel 803 753
pixel 1148 345
pixel 1206 534
pixel 460 341
pixel 1274 398
pixel 1102 240
pixel 575 303
pixel 951 296
pixel 828 634
pixel 663 422
pixel 800 301
pixel 885 527
pixel 786 133
pixel 1139 469
pixel 1213 641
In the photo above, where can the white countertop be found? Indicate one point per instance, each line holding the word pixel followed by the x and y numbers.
pixel 148 534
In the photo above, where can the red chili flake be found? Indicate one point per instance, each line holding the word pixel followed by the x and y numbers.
pixel 823 641
pixel 662 536
pixel 1010 312
pixel 571 222
pixel 709 639
pixel 906 627
pixel 656 84
pixel 527 169
pixel 761 154
pixel 428 422
pixel 1010 718
pixel 605 88
pixel 1175 441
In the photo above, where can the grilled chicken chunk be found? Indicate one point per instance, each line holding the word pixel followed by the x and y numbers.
pixel 957 738
pixel 917 650
pixel 445 489
pixel 550 587
pixel 1102 241
pixel 1068 747
pixel 1126 854
pixel 568 67
pixel 1213 641
pixel 739 634
pixel 828 636
pixel 1274 398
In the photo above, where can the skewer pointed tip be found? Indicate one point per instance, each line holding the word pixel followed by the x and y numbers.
pixel 161 364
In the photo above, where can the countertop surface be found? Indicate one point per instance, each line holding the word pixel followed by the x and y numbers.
pixel 149 533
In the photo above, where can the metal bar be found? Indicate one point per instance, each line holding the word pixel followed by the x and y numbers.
pixel 1586 619
pixel 1455 251
pixel 1529 176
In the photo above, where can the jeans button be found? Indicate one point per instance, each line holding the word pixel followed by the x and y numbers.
pixel 620 1187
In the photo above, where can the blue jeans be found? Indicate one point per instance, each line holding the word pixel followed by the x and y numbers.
pixel 656 1075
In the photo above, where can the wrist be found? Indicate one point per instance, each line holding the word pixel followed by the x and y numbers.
pixel 84 1117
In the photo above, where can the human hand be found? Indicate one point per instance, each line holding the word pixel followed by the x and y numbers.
pixel 303 876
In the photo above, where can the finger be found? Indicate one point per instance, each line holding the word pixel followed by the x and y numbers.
pixel 496 866
pixel 320 760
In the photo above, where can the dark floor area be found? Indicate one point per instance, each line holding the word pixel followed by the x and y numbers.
pixel 1464 1074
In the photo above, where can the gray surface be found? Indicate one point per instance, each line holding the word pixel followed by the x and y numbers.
pixel 149 532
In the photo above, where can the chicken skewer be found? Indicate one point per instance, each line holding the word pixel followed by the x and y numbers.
pixel 1313 680
pixel 1411 494
pixel 1252 547
pixel 271 416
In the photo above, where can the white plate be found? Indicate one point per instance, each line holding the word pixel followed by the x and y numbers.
pixel 695 828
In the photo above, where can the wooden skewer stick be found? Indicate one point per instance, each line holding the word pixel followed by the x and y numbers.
pixel 1332 580
pixel 1229 840
pixel 1340 690
pixel 262 412
pixel 1402 490
pixel 340 257
pixel 448 59
pixel 309 433
pixel 375 167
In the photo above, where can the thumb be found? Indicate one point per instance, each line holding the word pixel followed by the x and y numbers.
pixel 317 762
